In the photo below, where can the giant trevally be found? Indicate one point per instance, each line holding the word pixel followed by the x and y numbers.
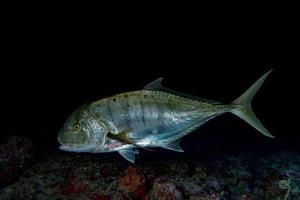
pixel 154 116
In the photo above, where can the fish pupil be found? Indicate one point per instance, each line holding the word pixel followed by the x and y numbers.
pixel 76 126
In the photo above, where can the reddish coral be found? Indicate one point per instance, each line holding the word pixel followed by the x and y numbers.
pixel 133 182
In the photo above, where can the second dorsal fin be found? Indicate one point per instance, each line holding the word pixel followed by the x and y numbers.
pixel 156 85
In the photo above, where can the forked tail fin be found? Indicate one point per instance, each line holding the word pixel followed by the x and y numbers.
pixel 244 110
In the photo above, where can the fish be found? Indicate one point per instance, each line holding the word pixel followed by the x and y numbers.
pixel 152 117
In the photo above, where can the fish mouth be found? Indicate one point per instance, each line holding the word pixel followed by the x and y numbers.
pixel 64 148
pixel 75 149
pixel 69 148
pixel 69 145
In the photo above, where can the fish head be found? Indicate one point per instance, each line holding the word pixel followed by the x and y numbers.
pixel 82 132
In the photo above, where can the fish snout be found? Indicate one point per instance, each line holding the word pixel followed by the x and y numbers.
pixel 60 137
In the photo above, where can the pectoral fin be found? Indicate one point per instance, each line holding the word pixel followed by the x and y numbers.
pixel 129 154
pixel 175 146
pixel 123 137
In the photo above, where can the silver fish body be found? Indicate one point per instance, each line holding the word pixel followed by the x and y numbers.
pixel 152 117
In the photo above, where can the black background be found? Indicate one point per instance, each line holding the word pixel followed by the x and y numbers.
pixel 50 66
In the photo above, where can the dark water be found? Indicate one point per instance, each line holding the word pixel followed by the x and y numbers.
pixel 51 67
pixel 223 159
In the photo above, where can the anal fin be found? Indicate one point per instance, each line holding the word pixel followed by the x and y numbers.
pixel 129 154
pixel 175 146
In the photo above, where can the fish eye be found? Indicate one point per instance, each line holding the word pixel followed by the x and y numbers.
pixel 76 127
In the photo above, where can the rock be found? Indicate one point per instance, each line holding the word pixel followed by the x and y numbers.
pixel 206 197
pixel 164 189
pixel 101 197
pixel 190 187
pixel 73 187
pixel 177 168
pixel 15 157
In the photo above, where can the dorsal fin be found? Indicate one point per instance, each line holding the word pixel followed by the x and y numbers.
pixel 156 85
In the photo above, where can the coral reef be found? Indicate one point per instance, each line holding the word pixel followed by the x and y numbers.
pixel 215 176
